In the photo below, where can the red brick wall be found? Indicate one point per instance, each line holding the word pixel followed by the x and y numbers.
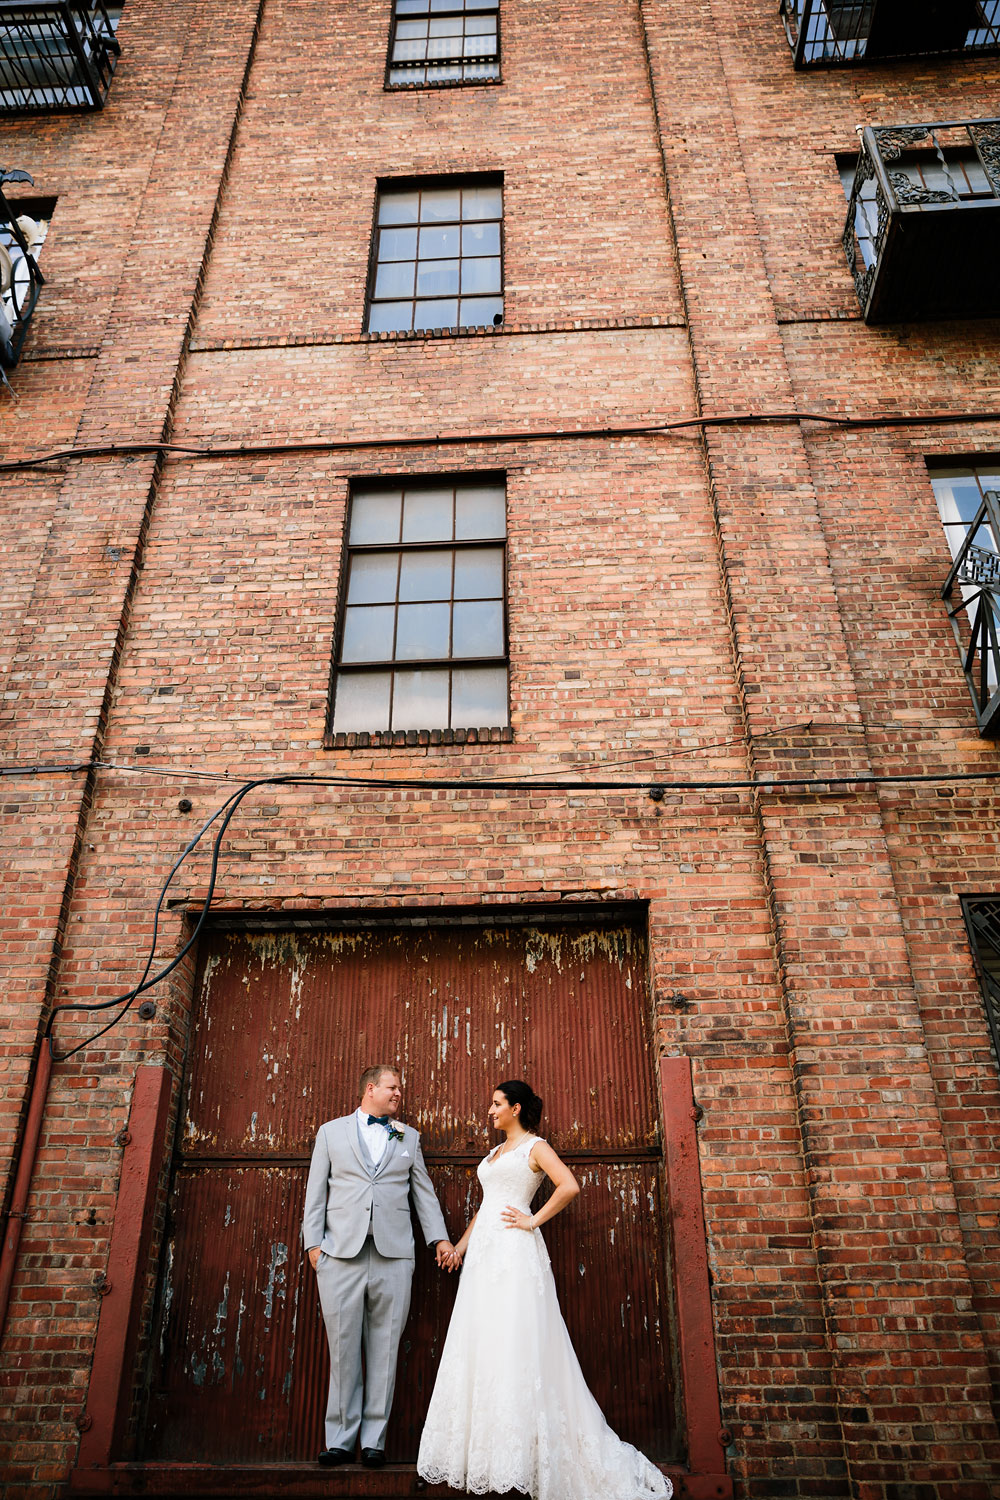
pixel 668 250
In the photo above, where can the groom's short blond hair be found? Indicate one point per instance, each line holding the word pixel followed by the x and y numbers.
pixel 374 1075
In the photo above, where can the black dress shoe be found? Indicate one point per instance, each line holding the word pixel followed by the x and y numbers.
pixel 372 1458
pixel 331 1456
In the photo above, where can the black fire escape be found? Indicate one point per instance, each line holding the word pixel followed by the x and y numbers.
pixel 828 33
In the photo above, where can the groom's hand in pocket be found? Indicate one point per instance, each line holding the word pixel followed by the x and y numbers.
pixel 314 1255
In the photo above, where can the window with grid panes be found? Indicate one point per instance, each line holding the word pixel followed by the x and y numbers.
pixel 436 260
pixel 423 633
pixel 444 41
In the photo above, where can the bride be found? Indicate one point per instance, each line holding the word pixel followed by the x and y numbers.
pixel 510 1409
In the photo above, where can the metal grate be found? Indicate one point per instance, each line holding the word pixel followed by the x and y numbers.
pixel 825 33
pixel 982 918
pixel 56 55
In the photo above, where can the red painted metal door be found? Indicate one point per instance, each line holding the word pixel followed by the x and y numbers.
pixel 284 1024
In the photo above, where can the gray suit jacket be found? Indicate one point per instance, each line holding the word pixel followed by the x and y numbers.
pixel 345 1193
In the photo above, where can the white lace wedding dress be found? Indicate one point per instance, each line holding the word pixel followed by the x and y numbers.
pixel 510 1408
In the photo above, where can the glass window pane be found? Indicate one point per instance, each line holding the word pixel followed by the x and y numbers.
pixel 476 46
pixel 479 312
pixel 437 244
pixel 443 314
pixel 481 275
pixel 420 700
pixel 482 202
pixel 396 207
pixel 437 278
pixel 426 575
pixel 438 205
pixel 407 29
pixel 449 26
pixel 362 702
pixel 481 70
pixel 411 7
pixel 375 518
pixel 390 317
pixel 427 516
pixel 479 511
pixel 444 71
pixel 398 244
pixel 395 279
pixel 445 5
pixel 478 697
pixel 481 239
pixel 368 633
pixel 478 629
pixel 481 26
pixel 481 4
pixel 423 632
pixel 373 578
pixel 407 75
pixel 409 51
pixel 479 573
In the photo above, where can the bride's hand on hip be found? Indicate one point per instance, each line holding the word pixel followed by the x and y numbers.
pixel 513 1218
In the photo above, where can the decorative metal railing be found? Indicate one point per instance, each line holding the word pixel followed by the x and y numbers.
pixel 903 170
pixel 982 917
pixel 825 33
pixel 20 279
pixel 55 54
pixel 975 613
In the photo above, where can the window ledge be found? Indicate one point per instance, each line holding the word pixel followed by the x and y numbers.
pixel 391 739
pixel 442 83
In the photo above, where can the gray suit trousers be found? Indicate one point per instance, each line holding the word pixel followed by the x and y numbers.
pixel 365 1301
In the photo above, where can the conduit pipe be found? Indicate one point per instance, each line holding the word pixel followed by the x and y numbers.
pixel 22 1182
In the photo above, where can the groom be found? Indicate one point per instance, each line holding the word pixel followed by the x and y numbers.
pixel 357 1233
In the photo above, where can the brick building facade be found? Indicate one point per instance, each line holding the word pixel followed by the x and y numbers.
pixel 722 558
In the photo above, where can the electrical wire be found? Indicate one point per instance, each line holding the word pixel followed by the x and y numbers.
pixel 227 810
pixel 196 451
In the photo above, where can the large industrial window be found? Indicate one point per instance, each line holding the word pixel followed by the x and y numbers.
pixel 982 918
pixel 437 256
pixel 444 41
pixel 422 643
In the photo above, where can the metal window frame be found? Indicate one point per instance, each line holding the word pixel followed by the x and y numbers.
pixel 417 184
pixel 339 739
pixel 989 987
pixel 394 86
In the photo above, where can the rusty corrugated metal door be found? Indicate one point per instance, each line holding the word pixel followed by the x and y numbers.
pixel 283 1026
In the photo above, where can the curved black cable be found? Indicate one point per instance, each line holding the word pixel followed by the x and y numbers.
pixel 126 1001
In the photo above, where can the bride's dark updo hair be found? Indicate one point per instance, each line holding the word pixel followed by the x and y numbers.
pixel 516 1091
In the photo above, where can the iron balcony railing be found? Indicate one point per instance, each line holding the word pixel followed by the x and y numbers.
pixel 975 612
pixel 20 279
pixel 55 55
pixel 825 33
pixel 923 220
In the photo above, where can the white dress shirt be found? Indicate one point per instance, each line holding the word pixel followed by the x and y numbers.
pixel 375 1137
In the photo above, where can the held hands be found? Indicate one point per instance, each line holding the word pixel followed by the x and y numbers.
pixel 514 1219
pixel 447 1257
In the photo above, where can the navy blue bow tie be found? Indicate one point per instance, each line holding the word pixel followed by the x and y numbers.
pixel 378 1119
